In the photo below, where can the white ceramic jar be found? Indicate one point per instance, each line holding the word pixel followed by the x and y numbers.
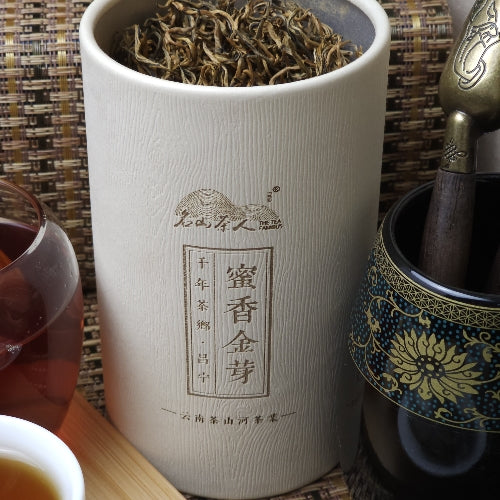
pixel 231 228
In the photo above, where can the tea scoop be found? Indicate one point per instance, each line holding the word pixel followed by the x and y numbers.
pixel 469 92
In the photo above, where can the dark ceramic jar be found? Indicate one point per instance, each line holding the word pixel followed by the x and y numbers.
pixel 430 358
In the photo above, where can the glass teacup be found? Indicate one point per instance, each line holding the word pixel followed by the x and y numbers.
pixel 41 311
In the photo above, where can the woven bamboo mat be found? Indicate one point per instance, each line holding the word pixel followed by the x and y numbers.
pixel 42 131
pixel 421 38
pixel 90 382
pixel 43 144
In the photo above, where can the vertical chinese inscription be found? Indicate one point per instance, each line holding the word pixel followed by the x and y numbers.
pixel 228 308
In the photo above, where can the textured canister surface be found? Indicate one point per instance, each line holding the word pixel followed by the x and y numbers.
pixel 231 228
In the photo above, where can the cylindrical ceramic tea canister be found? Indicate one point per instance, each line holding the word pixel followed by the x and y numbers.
pixel 231 227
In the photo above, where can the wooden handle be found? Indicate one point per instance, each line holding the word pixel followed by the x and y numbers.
pixel 444 253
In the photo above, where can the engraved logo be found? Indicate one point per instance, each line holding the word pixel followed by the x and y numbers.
pixel 210 209
pixel 482 33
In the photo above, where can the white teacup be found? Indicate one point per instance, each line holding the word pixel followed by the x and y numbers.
pixel 27 442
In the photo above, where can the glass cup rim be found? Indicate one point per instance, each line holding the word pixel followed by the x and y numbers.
pixel 41 216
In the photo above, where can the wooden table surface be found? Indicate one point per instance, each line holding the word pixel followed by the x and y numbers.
pixel 112 467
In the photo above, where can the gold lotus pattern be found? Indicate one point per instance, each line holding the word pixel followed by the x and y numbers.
pixel 441 361
pixel 433 368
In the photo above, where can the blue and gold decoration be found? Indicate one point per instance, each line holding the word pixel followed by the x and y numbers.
pixel 434 355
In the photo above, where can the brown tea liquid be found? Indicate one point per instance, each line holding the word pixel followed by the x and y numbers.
pixel 22 481
pixel 39 355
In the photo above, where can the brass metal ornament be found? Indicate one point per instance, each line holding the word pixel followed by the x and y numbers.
pixel 469 92
pixel 469 89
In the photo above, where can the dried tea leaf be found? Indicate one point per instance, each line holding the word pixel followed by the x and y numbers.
pixel 265 42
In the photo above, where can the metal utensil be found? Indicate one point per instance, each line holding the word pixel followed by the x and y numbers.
pixel 469 92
